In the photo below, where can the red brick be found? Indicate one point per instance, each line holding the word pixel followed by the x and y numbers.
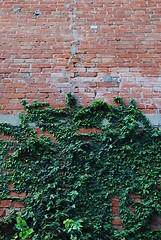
pixel 115 202
pixel 134 196
pixel 5 203
pixel 115 211
pixel 88 130
pixel 131 209
pixel 116 221
pixel 13 194
pixel 18 205
pixel 11 186
pixel 2 213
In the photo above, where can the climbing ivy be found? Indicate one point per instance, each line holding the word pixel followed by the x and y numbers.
pixel 70 180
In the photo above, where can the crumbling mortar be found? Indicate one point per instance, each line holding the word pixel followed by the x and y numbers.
pixel 73 27
pixel 75 42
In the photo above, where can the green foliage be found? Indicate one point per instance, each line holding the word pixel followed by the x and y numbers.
pixel 75 176
pixel 70 100
pixel 74 228
pixel 24 231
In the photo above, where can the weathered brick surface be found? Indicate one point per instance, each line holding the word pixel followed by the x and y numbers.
pixel 5 203
pixel 96 49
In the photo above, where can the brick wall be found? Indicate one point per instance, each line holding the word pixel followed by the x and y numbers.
pixel 96 49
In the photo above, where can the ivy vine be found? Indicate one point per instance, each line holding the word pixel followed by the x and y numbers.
pixel 70 180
